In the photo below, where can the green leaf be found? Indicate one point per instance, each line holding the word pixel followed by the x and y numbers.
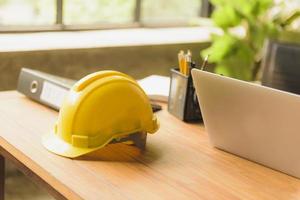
pixel 251 9
pixel 218 2
pixel 222 46
pixel 226 17
pixel 264 5
pixel 224 70
pixel 238 65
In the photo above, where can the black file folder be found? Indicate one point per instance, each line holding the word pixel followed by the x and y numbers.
pixel 44 88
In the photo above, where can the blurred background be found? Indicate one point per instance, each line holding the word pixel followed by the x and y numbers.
pixel 138 37
pixel 72 38
pixel 97 12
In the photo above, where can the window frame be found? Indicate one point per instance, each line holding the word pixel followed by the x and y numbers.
pixel 59 25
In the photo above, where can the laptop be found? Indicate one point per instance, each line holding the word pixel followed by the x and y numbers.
pixel 255 122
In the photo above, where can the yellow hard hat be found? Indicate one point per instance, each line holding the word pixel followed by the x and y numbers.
pixel 99 108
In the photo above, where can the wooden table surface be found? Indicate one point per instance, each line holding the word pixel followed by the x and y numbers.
pixel 179 162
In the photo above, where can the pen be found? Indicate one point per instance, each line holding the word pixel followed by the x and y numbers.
pixel 205 62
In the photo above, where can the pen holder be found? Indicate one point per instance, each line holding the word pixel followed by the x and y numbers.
pixel 183 101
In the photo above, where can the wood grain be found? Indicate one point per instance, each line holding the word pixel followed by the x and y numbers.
pixel 178 163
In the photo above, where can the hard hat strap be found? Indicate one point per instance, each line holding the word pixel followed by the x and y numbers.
pixel 138 138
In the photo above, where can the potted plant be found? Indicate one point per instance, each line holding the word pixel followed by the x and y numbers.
pixel 245 25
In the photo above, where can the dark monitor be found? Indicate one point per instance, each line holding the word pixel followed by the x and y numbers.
pixel 281 66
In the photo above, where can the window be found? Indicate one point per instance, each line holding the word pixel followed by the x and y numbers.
pixel 169 11
pixel 27 12
pixel 98 11
pixel 93 14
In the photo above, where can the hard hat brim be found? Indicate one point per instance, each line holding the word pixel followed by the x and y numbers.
pixel 56 145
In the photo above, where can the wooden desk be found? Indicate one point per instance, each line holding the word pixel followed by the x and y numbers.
pixel 179 163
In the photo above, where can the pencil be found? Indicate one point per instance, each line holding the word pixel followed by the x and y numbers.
pixel 188 62
pixel 181 61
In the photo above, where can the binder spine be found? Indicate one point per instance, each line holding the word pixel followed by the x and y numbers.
pixel 41 88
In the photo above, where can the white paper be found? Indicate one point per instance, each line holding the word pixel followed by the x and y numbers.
pixel 156 87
